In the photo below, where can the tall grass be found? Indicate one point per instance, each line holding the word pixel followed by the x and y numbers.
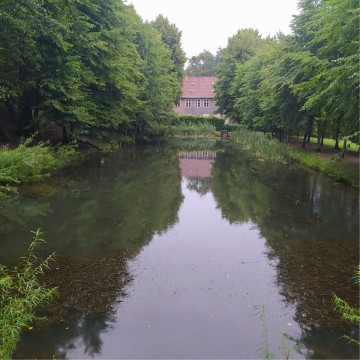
pixel 349 313
pixel 261 146
pixel 30 162
pixel 20 294
pixel 192 129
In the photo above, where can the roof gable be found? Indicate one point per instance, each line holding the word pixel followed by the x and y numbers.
pixel 198 87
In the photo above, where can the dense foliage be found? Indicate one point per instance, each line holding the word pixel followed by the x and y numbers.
pixel 31 162
pixel 298 84
pixel 203 64
pixel 87 64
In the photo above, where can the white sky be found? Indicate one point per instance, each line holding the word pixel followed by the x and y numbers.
pixel 207 24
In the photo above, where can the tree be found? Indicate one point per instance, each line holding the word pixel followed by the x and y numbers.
pixel 203 64
pixel 171 37
pixel 326 33
pixel 240 48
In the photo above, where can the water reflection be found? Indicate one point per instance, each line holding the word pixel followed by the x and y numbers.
pixel 196 169
pixel 307 224
pixel 118 199
pixel 152 266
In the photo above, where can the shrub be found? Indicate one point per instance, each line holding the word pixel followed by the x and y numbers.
pixel 29 162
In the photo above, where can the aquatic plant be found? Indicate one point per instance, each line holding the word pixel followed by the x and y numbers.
pixel 21 294
pixel 349 313
pixel 286 347
pixel 261 146
pixel 261 312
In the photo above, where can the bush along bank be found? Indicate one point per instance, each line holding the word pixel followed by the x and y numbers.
pixel 30 162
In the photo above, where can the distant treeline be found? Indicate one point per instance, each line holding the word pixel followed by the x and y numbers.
pixel 89 64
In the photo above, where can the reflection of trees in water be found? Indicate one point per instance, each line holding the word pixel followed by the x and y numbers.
pixel 327 344
pixel 111 200
pixel 309 226
pixel 89 289
pixel 201 185
pixel 83 332
pixel 104 217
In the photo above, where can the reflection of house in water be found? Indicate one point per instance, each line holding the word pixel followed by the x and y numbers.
pixel 196 164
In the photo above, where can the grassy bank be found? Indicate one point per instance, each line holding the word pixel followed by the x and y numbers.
pixel 271 150
pixel 331 167
pixel 30 162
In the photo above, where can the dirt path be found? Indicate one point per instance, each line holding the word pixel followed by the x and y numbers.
pixel 351 158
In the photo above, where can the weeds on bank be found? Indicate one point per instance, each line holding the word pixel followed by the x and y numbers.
pixel 30 162
pixel 20 294
pixel 331 167
pixel 261 146
pixel 190 129
pixel 349 313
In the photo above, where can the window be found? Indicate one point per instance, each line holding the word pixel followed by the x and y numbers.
pixel 206 102
pixel 177 104
pixel 197 102
pixel 188 102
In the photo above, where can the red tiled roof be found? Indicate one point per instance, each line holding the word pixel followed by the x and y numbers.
pixel 198 87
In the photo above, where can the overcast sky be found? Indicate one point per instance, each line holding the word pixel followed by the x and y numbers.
pixel 207 24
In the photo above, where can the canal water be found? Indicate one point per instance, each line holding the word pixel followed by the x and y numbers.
pixel 189 250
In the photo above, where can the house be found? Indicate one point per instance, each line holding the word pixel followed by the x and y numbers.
pixel 197 96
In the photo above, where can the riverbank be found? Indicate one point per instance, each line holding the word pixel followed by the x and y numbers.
pixel 328 161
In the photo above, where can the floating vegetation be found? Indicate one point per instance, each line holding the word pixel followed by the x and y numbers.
pixel 88 285
pixel 309 276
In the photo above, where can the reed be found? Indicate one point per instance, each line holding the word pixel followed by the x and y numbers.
pixel 192 129
pixel 350 314
pixel 21 293
pixel 261 146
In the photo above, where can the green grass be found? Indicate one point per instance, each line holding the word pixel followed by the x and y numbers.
pixel 332 168
pixel 21 294
pixel 30 162
pixel 331 144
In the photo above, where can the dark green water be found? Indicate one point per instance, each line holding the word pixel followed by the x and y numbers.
pixel 163 252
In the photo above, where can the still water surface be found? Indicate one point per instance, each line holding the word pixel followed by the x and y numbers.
pixel 164 251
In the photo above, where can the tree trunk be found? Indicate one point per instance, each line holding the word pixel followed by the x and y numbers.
pixel 344 149
pixel 311 122
pixel 323 133
pixel 65 134
pixel 25 116
pixel 304 140
pixel 318 144
pixel 337 137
